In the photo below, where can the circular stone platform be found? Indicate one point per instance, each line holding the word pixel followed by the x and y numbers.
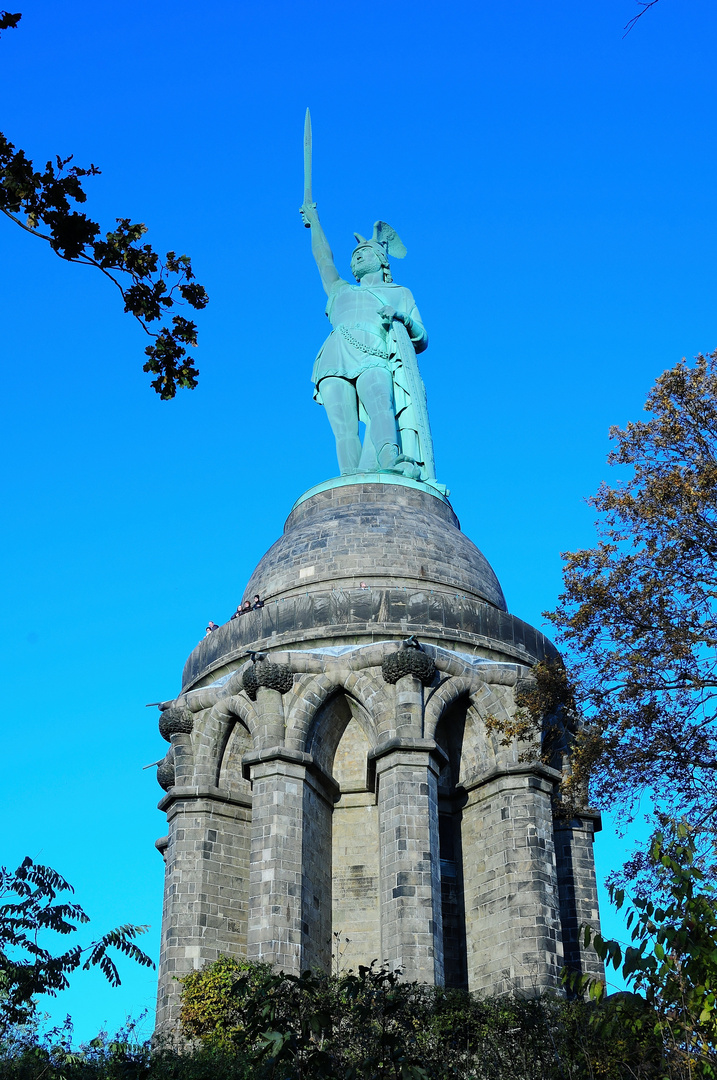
pixel 370 561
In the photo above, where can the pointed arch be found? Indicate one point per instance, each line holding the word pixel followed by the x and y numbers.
pixel 237 740
pixel 212 733
pixel 483 698
pixel 312 692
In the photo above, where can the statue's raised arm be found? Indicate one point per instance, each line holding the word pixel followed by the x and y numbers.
pixel 320 247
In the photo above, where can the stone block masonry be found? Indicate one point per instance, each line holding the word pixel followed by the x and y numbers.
pixel 411 920
pixel 206 898
pixel 513 925
pixel 358 809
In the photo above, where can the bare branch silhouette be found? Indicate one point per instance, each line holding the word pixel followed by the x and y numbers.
pixel 645 5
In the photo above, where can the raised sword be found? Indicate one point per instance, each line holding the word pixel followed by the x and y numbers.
pixel 307 163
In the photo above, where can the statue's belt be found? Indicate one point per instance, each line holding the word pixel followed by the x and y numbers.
pixel 345 330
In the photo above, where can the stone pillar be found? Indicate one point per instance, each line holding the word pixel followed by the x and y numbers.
pixel 290 876
pixel 409 707
pixel 206 891
pixel 411 925
pixel 270 718
pixel 511 896
pixel 577 888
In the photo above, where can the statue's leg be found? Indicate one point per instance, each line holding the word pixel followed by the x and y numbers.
pixel 341 404
pixel 368 461
pixel 375 391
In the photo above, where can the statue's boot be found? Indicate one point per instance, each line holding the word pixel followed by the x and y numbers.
pixel 387 456
pixel 407 467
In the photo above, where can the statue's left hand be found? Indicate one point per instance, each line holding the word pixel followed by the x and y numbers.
pixel 388 314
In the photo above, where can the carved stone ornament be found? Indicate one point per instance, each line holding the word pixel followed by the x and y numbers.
pixel 175 720
pixel 273 676
pixel 408 662
pixel 165 774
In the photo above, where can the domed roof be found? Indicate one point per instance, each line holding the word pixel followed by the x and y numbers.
pixel 380 534
pixel 366 560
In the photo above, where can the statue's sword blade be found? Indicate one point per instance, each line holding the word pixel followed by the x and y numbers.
pixel 307 160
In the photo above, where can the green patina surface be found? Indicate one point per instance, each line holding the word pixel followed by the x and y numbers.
pixel 367 371
pixel 438 491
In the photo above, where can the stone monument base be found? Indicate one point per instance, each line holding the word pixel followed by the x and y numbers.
pixel 348 780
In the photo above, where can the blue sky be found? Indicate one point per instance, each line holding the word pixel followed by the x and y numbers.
pixel 554 185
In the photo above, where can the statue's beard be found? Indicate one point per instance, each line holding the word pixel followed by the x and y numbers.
pixel 362 271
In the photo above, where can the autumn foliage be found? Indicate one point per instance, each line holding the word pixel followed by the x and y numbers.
pixel 637 618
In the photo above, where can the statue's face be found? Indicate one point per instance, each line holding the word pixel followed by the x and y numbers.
pixel 364 261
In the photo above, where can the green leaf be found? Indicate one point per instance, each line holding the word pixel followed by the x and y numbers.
pixel 149 289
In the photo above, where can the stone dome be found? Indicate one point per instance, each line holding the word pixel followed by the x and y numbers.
pixel 382 534
pixel 370 561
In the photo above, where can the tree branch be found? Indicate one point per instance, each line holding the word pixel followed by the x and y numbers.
pixel 81 262
pixel 645 5
pixel 32 232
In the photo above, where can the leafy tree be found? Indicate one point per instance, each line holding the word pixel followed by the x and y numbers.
pixel 211 1002
pixel 545 724
pixel 28 909
pixel 371 1024
pixel 261 1025
pixel 150 287
pixel 286 1024
pixel 672 960
pixel 637 618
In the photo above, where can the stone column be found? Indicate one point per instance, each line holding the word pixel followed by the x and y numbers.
pixel 511 896
pixel 290 876
pixel 577 888
pixel 411 925
pixel 206 892
pixel 409 707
